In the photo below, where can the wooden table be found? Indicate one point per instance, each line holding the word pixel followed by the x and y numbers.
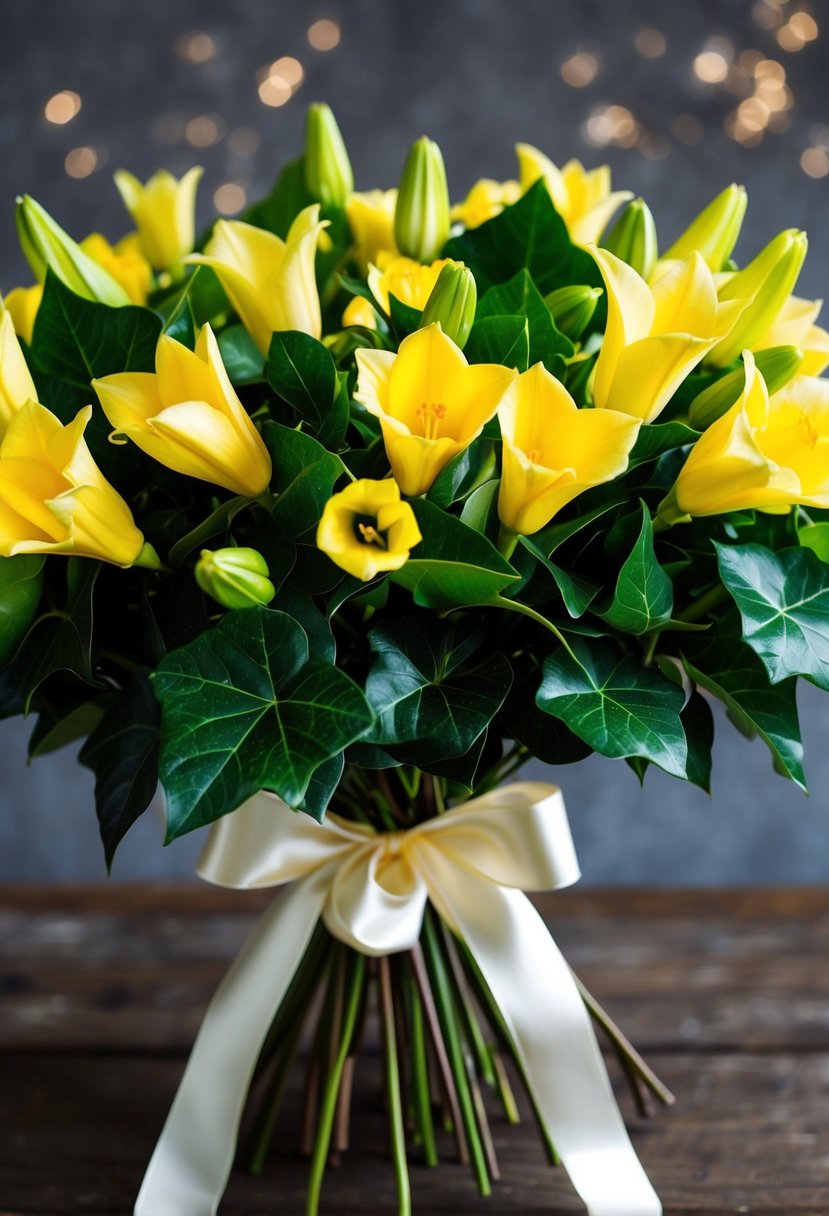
pixel 727 994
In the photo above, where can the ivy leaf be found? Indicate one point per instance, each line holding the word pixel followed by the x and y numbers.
pixel 816 538
pixel 62 640
pixel 301 371
pixel 656 438
pixel 618 707
pixel 21 585
pixel 644 597
pixel 698 722
pixel 576 592
pixel 783 600
pixel 243 709
pixel 500 339
pixel 520 295
pixel 720 663
pixel 453 566
pixel 241 356
pixel 122 752
pixel 304 473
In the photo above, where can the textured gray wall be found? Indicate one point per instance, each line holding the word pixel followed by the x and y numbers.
pixel 476 75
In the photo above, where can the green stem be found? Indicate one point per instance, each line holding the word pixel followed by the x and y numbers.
pixel 398 1129
pixel 211 527
pixel 525 610
pixel 624 1047
pixel 353 994
pixel 507 540
pixel 420 1072
pixel 702 606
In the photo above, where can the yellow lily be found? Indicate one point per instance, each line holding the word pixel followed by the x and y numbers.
pixel 794 326
pixel 370 216
pixel 408 280
pixel 485 200
pixel 553 451
pixel 582 197
pixel 54 498
pixel 765 453
pixel 124 261
pixel 358 311
pixel 16 383
pixel 187 416
pixel 431 403
pixel 22 304
pixel 656 334
pixel 367 529
pixel 164 212
pixel 270 282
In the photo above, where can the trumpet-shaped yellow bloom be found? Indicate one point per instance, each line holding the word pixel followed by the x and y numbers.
pixel 766 453
pixel 367 529
pixel 164 212
pixel 431 403
pixel 553 451
pixel 408 280
pixel 358 311
pixel 371 219
pixel 656 334
pixel 582 197
pixel 124 261
pixel 485 200
pixel 16 384
pixel 270 282
pixel 187 416
pixel 795 326
pixel 54 498
pixel 22 304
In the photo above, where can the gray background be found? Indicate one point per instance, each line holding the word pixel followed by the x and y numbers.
pixel 475 75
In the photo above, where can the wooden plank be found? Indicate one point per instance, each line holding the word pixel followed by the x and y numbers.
pixel 748 1135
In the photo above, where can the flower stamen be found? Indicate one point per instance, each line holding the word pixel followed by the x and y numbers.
pixel 371 536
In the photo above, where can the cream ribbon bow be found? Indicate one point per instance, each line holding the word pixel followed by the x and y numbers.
pixel 473 864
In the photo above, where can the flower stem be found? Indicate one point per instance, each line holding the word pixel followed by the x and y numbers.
pixel 421 1092
pixel 398 1128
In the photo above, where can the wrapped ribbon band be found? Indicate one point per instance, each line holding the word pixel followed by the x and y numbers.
pixel 473 864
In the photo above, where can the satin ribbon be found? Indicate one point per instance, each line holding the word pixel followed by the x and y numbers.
pixel 473 864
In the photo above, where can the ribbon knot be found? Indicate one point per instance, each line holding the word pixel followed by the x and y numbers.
pixel 371 889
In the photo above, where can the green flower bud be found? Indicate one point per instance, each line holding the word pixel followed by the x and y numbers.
pixel 777 365
pixel 766 283
pixel 236 578
pixel 452 302
pixel 573 308
pixel 715 230
pixel 633 238
pixel 328 173
pixel 45 246
pixel 421 218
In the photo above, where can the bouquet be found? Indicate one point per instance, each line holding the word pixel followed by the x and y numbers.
pixel 329 519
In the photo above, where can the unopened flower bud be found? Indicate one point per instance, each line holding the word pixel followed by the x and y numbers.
pixel 633 238
pixel 572 308
pixel 45 246
pixel 421 218
pixel 452 303
pixel 715 230
pixel 235 578
pixel 777 365
pixel 328 173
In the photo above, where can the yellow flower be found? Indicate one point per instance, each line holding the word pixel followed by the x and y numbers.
pixel 554 451
pixel 22 304
pixel 270 282
pixel 366 529
pixel 408 280
pixel 431 403
pixel 765 453
pixel 16 384
pixel 371 219
pixel 485 200
pixel 582 197
pixel 164 212
pixel 359 312
pixel 187 416
pixel 794 326
pixel 124 261
pixel 54 498
pixel 655 334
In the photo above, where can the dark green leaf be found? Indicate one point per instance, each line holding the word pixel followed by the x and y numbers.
pixel 504 340
pixel 458 477
pixel 698 722
pixel 656 438
pixel 244 709
pixel 180 324
pixel 21 585
pixel 287 197
pixel 480 511
pixel 520 295
pixel 304 474
pixel 576 592
pixel 644 598
pixel 302 372
pixel 241 356
pixel 65 713
pixel 816 538
pixel 321 787
pixel 62 641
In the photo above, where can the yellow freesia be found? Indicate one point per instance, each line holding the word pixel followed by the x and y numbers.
pixel 408 280
pixel 22 304
pixel 270 282
pixel 366 528
pixel 582 197
pixel 124 261
pixel 656 334
pixel 16 383
pixel 370 216
pixel 795 326
pixel 54 498
pixel 431 403
pixel 765 453
pixel 164 212
pixel 553 451
pixel 187 416
pixel 485 200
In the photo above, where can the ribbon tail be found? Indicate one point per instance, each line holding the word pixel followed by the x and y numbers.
pixel 192 1160
pixel 535 990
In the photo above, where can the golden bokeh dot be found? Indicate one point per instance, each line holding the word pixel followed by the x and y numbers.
pixel 195 46
pixel 273 91
pixel 650 43
pixel 789 38
pixel 80 162
pixel 324 35
pixel 804 25
pixel 288 69
pixel 815 162
pixel 711 67
pixel 62 107
pixel 580 69
pixel 204 130
pixel 230 198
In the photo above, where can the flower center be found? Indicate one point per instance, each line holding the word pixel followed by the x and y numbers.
pixel 431 414
pixel 808 432
pixel 534 456
pixel 369 535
